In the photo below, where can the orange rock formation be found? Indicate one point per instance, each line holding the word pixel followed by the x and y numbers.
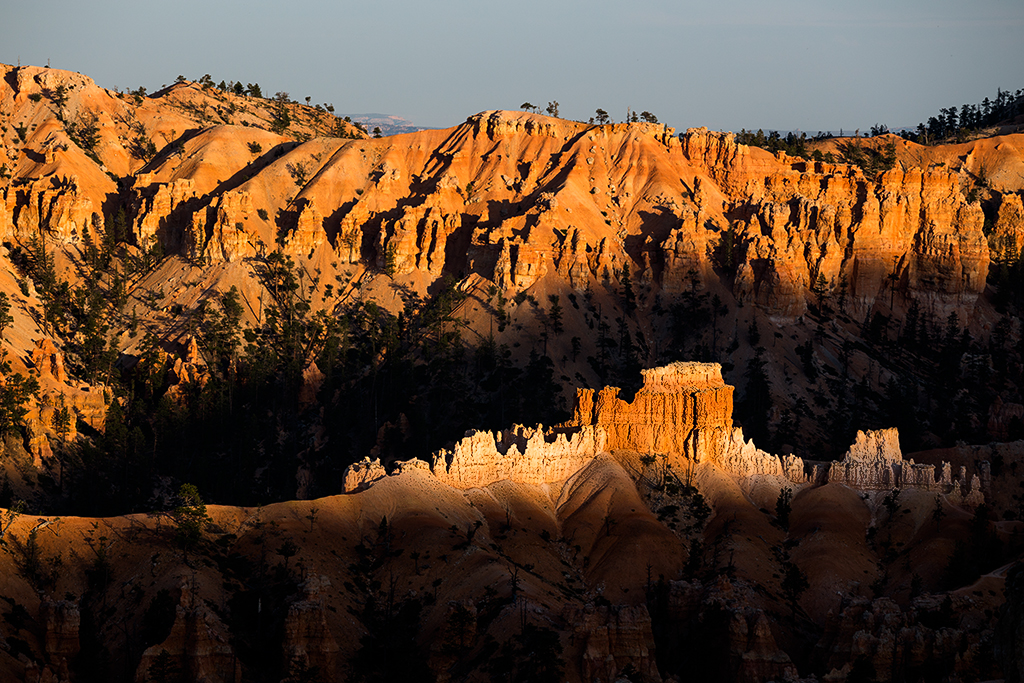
pixel 682 409
pixel 682 412
pixel 510 196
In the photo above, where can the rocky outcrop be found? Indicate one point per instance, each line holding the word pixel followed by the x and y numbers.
pixel 522 454
pixel 496 124
pixel 198 646
pixel 615 637
pixel 47 674
pixel 875 462
pixel 53 204
pixel 934 632
pixel 1007 236
pixel 744 459
pixel 360 475
pixel 968 495
pixel 61 621
pixel 683 409
pixel 526 455
pixel 1004 416
pixel 220 231
pixel 160 210
pixel 753 646
pixel 59 398
pixel 416 240
pixel 348 241
pixel 48 360
pixel 308 642
pixel 309 234
pixel 809 220
pixel 739 642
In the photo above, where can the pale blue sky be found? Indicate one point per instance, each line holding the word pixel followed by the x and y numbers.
pixel 792 64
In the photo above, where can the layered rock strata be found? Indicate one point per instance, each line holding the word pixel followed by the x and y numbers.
pixel 683 409
pixel 804 221
pixel 522 454
pixel 585 201
pixel 683 412
pixel 875 462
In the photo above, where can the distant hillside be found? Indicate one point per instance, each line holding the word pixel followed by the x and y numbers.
pixel 388 123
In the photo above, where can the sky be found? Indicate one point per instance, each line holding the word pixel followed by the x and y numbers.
pixel 786 65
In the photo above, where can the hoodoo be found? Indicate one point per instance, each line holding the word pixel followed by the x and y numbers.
pixel 682 413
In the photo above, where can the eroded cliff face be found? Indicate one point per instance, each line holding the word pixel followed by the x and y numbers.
pixel 52 206
pixel 521 454
pixel 74 146
pixel 56 410
pixel 875 462
pixel 543 527
pixel 684 409
pixel 683 413
pixel 309 644
pixel 510 205
pixel 614 638
pixel 529 456
pixel 198 646
pixel 803 221
pixel 513 197
pixel 931 635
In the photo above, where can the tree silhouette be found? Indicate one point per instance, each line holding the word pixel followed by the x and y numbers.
pixel 190 518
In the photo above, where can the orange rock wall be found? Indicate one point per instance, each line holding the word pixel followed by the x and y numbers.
pixel 684 409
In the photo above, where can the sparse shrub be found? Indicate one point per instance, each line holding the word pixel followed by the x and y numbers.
pixel 14 396
pixel 299 172
pixel 141 147
pixel 40 571
pixel 84 131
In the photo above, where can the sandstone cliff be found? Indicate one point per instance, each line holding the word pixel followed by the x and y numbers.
pixel 522 454
pixel 875 461
pixel 877 635
pixel 308 642
pixel 684 409
pixel 198 646
pixel 682 412
pixel 548 202
pixel 614 638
